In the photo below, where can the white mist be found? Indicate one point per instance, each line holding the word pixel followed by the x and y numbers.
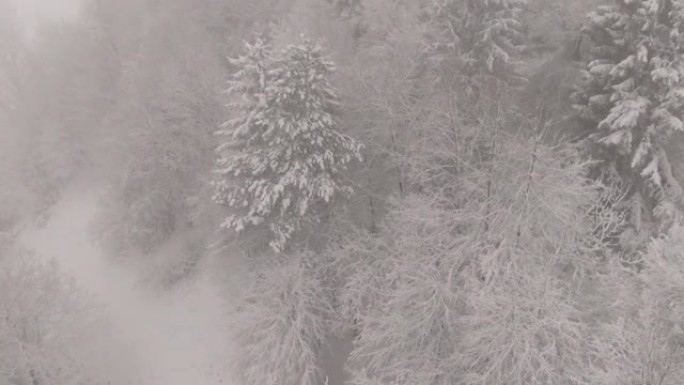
pixel 177 337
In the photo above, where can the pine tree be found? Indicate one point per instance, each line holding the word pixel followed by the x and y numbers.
pixel 285 154
pixel 632 95
pixel 484 35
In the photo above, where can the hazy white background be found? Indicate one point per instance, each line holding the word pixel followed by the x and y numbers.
pixel 166 338
pixel 34 11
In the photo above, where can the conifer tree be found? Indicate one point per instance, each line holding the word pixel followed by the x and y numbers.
pixel 248 85
pixel 285 154
pixel 633 95
pixel 484 35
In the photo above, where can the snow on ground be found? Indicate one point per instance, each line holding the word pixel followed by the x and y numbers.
pixel 177 338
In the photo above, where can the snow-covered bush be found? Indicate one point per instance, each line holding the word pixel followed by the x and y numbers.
pixel 636 316
pixel 283 158
pixel 283 321
pixel 661 316
pixel 482 279
pixel 46 324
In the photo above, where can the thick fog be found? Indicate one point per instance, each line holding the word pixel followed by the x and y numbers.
pixel 96 314
pixel 34 13
pixel 341 192
pixel 179 336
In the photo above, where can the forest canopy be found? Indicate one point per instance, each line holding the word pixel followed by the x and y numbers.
pixel 399 192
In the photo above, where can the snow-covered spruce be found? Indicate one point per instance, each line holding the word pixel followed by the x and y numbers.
pixel 633 92
pixel 284 154
pixel 485 36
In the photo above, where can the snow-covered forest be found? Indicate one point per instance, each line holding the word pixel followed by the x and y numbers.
pixel 331 192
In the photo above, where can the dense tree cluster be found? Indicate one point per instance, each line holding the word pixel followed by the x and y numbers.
pixel 377 182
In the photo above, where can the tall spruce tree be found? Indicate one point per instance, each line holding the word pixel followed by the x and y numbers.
pixel 485 36
pixel 284 155
pixel 633 94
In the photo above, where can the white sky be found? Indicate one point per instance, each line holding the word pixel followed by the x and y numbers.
pixel 35 11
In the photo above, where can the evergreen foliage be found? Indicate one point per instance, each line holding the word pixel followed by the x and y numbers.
pixel 284 154
pixel 485 37
pixel 482 249
pixel 632 95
